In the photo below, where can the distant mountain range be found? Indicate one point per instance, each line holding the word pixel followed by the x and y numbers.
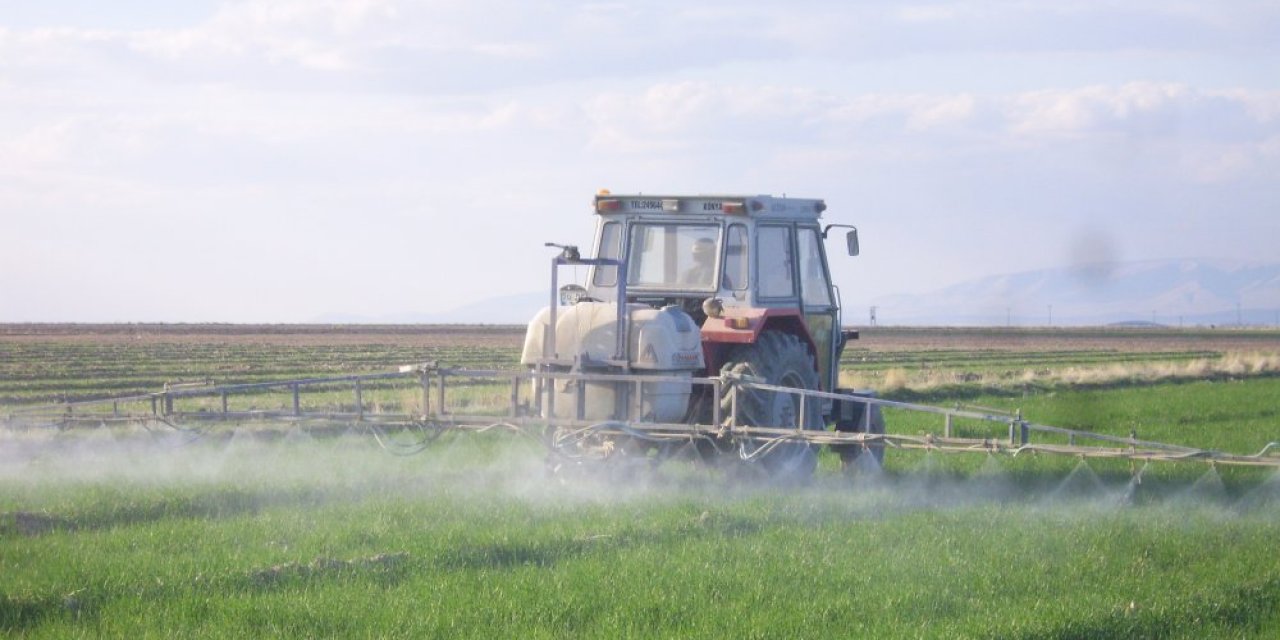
pixel 1166 292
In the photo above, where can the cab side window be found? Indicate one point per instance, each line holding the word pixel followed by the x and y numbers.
pixel 736 263
pixel 774 267
pixel 813 277
pixel 610 238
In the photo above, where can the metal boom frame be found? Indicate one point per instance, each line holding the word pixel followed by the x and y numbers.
pixel 527 416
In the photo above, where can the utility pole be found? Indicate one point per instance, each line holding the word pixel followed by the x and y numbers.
pixel 1051 315
pixel 873 316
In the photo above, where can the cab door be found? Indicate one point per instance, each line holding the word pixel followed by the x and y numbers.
pixel 817 303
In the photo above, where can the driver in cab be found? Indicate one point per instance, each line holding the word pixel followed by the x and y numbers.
pixel 704 264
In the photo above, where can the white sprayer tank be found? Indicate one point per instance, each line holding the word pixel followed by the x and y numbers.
pixel 662 342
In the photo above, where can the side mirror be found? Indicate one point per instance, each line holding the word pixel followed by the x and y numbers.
pixel 851 239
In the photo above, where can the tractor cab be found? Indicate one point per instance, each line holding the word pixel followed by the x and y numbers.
pixel 737 265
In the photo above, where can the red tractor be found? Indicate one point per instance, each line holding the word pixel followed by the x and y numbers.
pixel 691 288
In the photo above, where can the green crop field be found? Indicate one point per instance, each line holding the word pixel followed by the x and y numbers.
pixel 122 532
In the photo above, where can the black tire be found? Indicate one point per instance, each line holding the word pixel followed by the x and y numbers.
pixel 780 359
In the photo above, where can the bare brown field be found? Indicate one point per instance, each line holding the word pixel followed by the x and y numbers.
pixel 302 335
pixel 1127 340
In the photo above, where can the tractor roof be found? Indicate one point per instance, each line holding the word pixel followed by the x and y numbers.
pixel 734 205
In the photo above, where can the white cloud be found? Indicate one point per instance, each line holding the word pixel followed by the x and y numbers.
pixel 1264 106
pixel 1169 109
pixel 949 111
pixel 396 132
pixel 1227 163
pixel 691 109
pixel 1221 164
pixel 928 12
pixel 453 46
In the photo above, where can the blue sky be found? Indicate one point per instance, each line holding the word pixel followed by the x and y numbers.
pixel 280 161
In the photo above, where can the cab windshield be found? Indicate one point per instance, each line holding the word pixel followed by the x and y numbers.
pixel 674 256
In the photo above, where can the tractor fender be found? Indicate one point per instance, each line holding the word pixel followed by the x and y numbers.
pixel 720 335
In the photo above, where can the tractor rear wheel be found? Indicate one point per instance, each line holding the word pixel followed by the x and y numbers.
pixel 779 359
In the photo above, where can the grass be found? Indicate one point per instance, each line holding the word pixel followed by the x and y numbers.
pixel 124 534
pixel 50 370
pixel 301 537
pixel 440 559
